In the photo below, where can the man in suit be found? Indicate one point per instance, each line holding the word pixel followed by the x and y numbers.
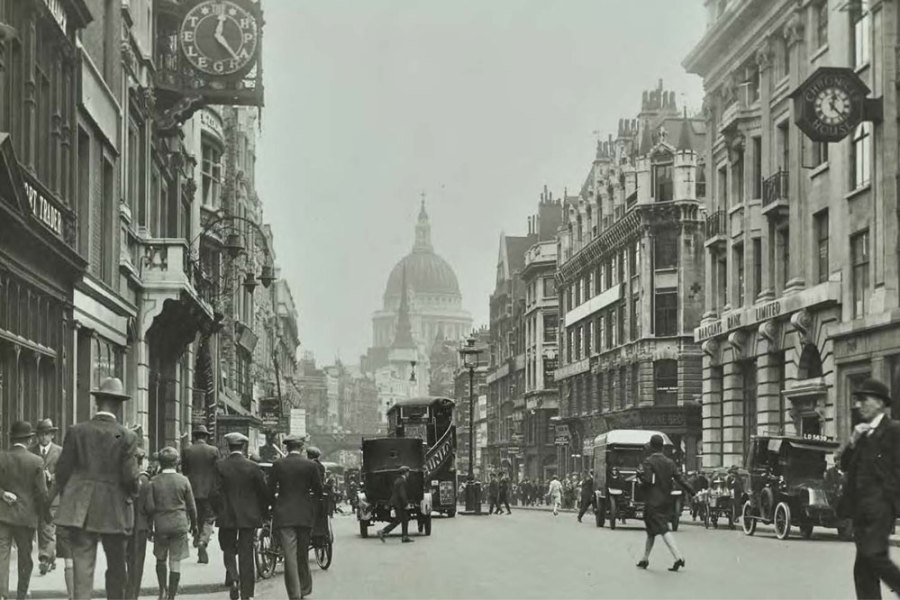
pixel 137 541
pixel 242 502
pixel 503 494
pixel 49 453
pixel 871 460
pixel 399 501
pixel 587 494
pixel 97 477
pixel 493 494
pixel 23 503
pixel 295 485
pixel 660 474
pixel 198 464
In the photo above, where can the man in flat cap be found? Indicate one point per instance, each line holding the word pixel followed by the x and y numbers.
pixel 399 502
pixel 296 482
pixel 23 503
pixel 198 464
pixel 49 452
pixel 871 460
pixel 97 478
pixel 242 502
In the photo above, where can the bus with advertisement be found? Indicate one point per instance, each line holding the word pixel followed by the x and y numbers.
pixel 432 420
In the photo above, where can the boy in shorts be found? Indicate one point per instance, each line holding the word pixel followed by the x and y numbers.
pixel 170 503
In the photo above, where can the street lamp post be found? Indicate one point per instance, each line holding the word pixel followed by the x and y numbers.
pixel 469 354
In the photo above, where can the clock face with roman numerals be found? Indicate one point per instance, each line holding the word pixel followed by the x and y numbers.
pixel 833 105
pixel 220 37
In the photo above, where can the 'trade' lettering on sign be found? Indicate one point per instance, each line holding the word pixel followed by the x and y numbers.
pixel 43 209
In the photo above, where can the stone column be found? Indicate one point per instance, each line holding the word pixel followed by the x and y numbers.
pixel 768 398
pixel 764 63
pixel 732 412
pixel 798 213
pixel 712 413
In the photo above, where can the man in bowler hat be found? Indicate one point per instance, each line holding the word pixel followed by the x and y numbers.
pixel 871 460
pixel 49 452
pixel 198 464
pixel 296 482
pixel 242 501
pixel 23 500
pixel 97 477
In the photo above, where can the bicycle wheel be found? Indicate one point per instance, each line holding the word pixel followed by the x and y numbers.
pixel 324 550
pixel 263 553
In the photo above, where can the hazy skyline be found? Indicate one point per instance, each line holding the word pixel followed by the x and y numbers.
pixel 478 104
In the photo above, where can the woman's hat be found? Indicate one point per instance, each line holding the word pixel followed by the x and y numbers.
pixel 111 387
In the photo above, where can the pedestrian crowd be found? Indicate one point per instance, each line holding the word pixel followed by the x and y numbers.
pixel 99 488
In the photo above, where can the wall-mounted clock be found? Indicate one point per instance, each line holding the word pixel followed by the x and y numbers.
pixel 830 104
pixel 220 37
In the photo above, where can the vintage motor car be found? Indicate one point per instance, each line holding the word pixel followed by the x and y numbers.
pixel 788 487
pixel 381 462
pixel 618 491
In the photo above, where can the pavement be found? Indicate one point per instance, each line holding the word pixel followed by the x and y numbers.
pixel 195 578
pixel 532 554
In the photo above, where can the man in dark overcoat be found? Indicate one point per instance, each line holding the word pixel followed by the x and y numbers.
pixel 241 501
pixel 295 485
pixel 49 452
pixel 23 504
pixel 493 495
pixel 503 491
pixel 399 501
pixel 871 461
pixel 97 477
pixel 587 494
pixel 198 464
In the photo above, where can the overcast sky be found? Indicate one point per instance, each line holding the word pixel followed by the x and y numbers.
pixel 478 103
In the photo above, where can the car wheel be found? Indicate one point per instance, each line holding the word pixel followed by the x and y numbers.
pixel 451 514
pixel 612 512
pixel 806 531
pixel 600 514
pixel 782 521
pixel 748 523
pixel 427 526
pixel 675 520
pixel 363 529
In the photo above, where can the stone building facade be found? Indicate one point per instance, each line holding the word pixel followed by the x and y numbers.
pixel 801 240
pixel 630 281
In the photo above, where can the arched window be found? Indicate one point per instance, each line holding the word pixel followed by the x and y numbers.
pixel 810 363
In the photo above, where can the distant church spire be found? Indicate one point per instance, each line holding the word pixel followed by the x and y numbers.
pixel 403 336
pixel 423 230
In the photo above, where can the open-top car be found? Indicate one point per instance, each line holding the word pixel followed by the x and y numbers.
pixel 787 486
pixel 381 462
pixel 618 490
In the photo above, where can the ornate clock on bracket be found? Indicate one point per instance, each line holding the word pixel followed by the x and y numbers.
pixel 831 103
pixel 220 38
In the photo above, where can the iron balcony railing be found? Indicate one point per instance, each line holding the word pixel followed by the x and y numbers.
pixel 775 188
pixel 715 224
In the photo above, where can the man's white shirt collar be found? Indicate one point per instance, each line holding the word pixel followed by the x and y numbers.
pixel 108 414
pixel 20 444
pixel 874 423
pixel 168 471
